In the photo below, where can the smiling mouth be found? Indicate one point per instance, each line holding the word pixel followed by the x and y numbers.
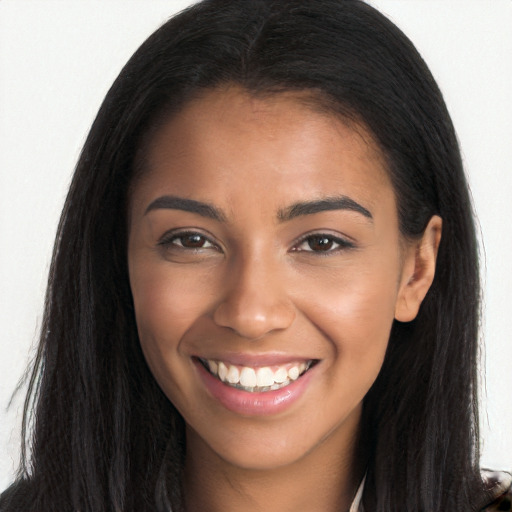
pixel 257 379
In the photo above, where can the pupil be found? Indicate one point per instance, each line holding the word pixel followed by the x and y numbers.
pixel 320 243
pixel 192 241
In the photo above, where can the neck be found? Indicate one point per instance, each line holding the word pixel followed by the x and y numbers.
pixel 325 479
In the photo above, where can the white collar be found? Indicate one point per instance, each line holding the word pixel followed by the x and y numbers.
pixel 499 482
pixel 356 504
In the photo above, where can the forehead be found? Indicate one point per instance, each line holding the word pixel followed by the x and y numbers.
pixel 284 146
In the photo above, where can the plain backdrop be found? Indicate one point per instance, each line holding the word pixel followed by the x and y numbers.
pixel 57 61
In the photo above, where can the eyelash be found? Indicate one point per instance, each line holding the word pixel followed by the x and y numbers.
pixel 169 239
pixel 342 243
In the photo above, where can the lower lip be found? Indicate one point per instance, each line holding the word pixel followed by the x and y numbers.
pixel 254 404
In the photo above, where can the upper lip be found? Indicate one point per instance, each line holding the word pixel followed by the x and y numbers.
pixel 256 360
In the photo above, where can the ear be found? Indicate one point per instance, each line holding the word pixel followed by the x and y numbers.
pixel 418 271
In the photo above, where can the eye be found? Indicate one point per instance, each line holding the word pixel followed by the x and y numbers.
pixel 186 240
pixel 322 243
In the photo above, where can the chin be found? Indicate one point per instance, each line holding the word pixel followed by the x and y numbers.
pixel 263 456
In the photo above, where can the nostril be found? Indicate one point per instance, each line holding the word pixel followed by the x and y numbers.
pixel 252 321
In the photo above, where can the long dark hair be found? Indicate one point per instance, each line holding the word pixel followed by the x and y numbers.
pixel 104 435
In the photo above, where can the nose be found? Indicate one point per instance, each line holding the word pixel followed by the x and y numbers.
pixel 255 302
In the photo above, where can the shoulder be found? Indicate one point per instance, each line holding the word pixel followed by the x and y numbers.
pixel 499 485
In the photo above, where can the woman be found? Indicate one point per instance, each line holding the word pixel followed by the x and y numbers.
pixel 265 267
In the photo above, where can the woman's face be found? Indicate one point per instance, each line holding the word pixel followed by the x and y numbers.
pixel 266 267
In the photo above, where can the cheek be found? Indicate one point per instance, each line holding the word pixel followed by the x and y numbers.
pixel 166 302
pixel 355 313
pixel 166 305
pixel 357 299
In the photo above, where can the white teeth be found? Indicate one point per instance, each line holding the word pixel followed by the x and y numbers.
pixel 277 386
pixel 259 379
pixel 280 375
pixel 293 373
pixel 264 377
pixel 233 375
pixel 223 371
pixel 248 377
pixel 213 366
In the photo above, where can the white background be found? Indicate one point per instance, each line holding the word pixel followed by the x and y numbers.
pixel 57 61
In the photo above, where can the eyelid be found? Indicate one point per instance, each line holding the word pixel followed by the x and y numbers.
pixel 172 234
pixel 344 242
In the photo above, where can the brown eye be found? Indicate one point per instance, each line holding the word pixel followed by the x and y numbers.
pixel 320 243
pixel 186 240
pixel 192 240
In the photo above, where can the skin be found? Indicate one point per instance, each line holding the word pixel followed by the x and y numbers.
pixel 258 286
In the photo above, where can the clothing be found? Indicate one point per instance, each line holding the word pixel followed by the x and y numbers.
pixel 356 504
pixel 499 484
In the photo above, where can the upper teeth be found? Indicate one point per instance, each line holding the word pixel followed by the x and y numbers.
pixel 261 378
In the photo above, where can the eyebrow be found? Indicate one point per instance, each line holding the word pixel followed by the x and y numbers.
pixel 188 205
pixel 322 205
pixel 295 210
